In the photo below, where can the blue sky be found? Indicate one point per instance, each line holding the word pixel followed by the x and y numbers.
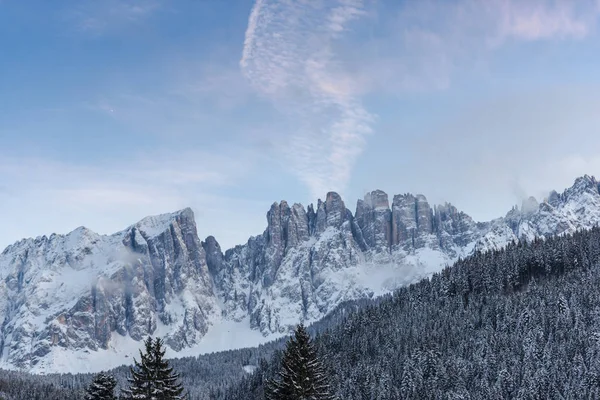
pixel 114 110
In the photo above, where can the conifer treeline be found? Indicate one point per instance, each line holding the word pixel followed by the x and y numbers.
pixel 522 322
pixel 207 376
pixel 152 378
pixel 302 375
pixel 101 388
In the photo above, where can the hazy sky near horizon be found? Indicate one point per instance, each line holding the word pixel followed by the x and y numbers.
pixel 112 110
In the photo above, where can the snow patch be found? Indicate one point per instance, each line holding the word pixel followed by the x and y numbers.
pixel 223 335
pixel 249 368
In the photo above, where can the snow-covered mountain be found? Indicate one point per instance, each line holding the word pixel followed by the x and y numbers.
pixel 82 301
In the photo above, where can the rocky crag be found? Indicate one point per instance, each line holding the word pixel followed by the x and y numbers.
pixel 88 293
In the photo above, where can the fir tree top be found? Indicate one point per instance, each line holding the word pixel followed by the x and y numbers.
pixel 101 388
pixel 302 375
pixel 152 378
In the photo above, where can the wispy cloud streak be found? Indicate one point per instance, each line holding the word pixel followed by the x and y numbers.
pixel 423 45
pixel 536 20
pixel 289 57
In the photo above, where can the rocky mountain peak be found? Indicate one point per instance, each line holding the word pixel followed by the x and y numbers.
pixel 157 224
pixel 377 199
pixel 286 227
pixel 553 198
pixel 214 255
pixel 529 205
pixel 374 217
pixel 412 218
pixel 332 212
pixel 76 291
pixel 585 191
pixel 583 184
pixel 81 291
pixel 79 231
pixel 210 244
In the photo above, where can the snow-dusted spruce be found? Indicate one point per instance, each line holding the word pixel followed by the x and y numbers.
pixel 302 375
pixel 20 386
pixel 101 388
pixel 522 322
pixel 152 378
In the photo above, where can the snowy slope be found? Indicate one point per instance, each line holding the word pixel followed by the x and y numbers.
pixel 83 301
pixel 309 260
pixel 84 292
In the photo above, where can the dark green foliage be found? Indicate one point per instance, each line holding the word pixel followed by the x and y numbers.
pixel 101 388
pixel 302 375
pixel 142 376
pixel 152 378
pixel 167 386
pixel 522 322
pixel 18 385
pixel 206 377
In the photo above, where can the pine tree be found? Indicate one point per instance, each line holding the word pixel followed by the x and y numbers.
pixel 101 388
pixel 152 378
pixel 141 375
pixel 167 384
pixel 302 375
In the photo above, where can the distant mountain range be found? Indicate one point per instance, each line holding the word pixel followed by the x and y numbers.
pixel 82 301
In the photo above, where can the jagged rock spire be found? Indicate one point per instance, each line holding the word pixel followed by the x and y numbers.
pixel 78 291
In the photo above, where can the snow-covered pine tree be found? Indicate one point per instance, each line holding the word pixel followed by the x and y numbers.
pixel 167 385
pixel 152 378
pixel 142 377
pixel 101 388
pixel 302 375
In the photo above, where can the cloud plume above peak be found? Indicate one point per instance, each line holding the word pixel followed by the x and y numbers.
pixel 289 58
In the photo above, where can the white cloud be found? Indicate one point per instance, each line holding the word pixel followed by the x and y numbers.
pixel 536 20
pixel 295 54
pixel 424 45
pixel 289 58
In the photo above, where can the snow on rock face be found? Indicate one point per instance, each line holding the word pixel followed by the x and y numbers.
pixel 374 217
pixel 74 291
pixel 578 207
pixel 288 274
pixel 84 295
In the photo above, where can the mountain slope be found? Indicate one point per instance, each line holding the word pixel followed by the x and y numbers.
pixel 308 261
pixel 84 291
pixel 522 322
pixel 84 296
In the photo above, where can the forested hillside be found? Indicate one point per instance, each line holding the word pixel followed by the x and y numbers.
pixel 205 377
pixel 522 322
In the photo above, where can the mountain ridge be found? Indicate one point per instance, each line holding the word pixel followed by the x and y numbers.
pixel 82 295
